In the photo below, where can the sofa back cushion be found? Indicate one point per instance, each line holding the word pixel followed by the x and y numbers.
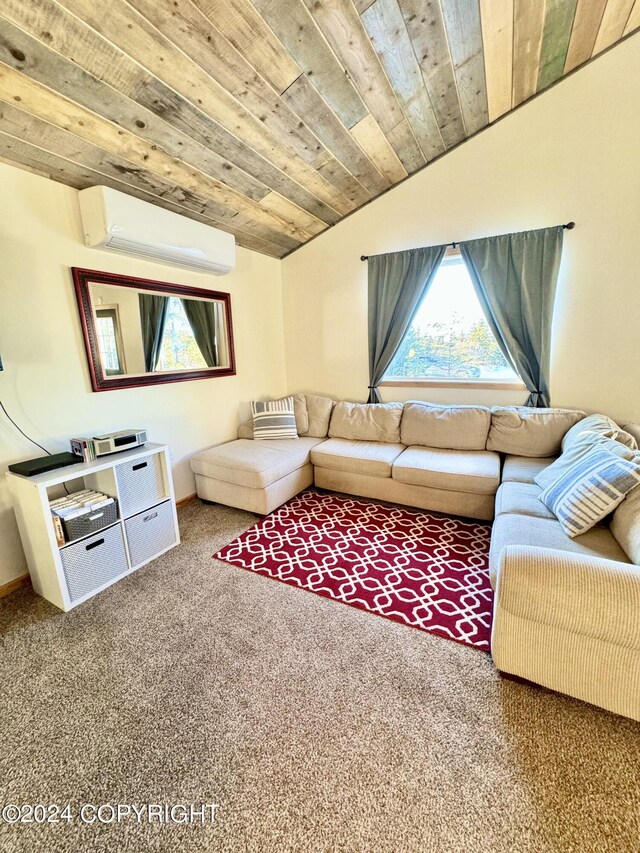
pixel 445 427
pixel 522 431
pixel 601 425
pixel 366 422
pixel 625 526
pixel 319 414
pixel 633 430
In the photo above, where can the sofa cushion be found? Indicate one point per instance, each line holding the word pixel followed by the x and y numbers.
pixel 522 499
pixel 301 413
pixel 634 431
pixel 446 427
pixel 516 529
pixel 523 469
pixel 366 422
pixel 602 426
pixel 454 470
pixel 625 526
pixel 255 464
pixel 530 432
pixel 245 430
pixel 372 458
pixel 319 414
pixel 579 447
pixel 591 489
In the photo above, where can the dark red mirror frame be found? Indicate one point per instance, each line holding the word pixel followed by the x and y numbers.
pixel 81 280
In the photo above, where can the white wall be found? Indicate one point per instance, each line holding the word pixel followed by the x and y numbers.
pixel 45 384
pixel 571 154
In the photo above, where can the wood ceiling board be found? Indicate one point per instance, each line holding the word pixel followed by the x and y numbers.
pixel 586 24
pixel 634 19
pixel 288 211
pixel 613 24
pixel 340 24
pixel 426 29
pixel 35 170
pixel 133 34
pixel 184 25
pixel 386 28
pixel 464 34
pixel 248 32
pixel 558 24
pixel 363 5
pixel 104 61
pixel 307 102
pixel 497 40
pixel 334 172
pixel 294 26
pixel 528 28
pixel 375 144
pixel 404 143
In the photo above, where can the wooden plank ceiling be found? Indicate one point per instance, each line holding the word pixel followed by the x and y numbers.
pixel 272 119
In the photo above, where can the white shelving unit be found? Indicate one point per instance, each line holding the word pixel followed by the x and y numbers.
pixel 147 524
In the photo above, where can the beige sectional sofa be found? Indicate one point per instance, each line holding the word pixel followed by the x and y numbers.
pixel 567 611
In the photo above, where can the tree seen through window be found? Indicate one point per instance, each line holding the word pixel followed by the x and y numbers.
pixel 449 337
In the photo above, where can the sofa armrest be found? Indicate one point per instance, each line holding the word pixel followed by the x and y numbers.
pixel 578 594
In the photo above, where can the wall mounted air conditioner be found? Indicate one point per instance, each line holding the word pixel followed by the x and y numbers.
pixel 117 221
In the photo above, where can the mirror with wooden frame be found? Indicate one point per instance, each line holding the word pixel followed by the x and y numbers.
pixel 142 332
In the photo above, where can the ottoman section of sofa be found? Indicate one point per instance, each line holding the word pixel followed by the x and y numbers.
pixel 254 475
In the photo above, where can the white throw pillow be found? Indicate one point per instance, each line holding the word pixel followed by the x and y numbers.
pixel 602 425
pixel 274 419
pixel 590 490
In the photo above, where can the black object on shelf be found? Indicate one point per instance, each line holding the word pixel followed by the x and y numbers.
pixel 31 467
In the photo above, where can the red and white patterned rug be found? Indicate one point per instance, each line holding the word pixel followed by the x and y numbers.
pixel 418 568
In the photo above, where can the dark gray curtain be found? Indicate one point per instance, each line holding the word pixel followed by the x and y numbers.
pixel 202 318
pixel 515 277
pixel 153 318
pixel 397 283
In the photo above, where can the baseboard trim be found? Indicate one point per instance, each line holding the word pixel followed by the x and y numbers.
pixel 187 500
pixel 11 586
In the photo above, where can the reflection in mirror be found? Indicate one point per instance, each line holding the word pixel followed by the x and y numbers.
pixel 151 331
pixel 110 338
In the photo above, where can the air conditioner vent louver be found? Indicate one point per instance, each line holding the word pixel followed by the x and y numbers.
pixel 115 221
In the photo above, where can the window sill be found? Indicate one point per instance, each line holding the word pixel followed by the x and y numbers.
pixel 480 384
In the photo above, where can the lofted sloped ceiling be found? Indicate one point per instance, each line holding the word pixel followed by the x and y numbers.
pixel 273 119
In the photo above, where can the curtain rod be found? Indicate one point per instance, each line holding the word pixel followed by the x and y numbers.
pixel 568 225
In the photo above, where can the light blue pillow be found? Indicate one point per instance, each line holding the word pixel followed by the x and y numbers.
pixel 580 447
pixel 590 490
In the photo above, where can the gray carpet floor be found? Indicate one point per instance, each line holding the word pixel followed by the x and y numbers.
pixel 314 726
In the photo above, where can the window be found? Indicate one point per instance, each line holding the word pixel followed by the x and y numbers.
pixel 108 329
pixel 449 338
pixel 179 348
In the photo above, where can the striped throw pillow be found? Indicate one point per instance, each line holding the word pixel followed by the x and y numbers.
pixel 274 419
pixel 590 489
